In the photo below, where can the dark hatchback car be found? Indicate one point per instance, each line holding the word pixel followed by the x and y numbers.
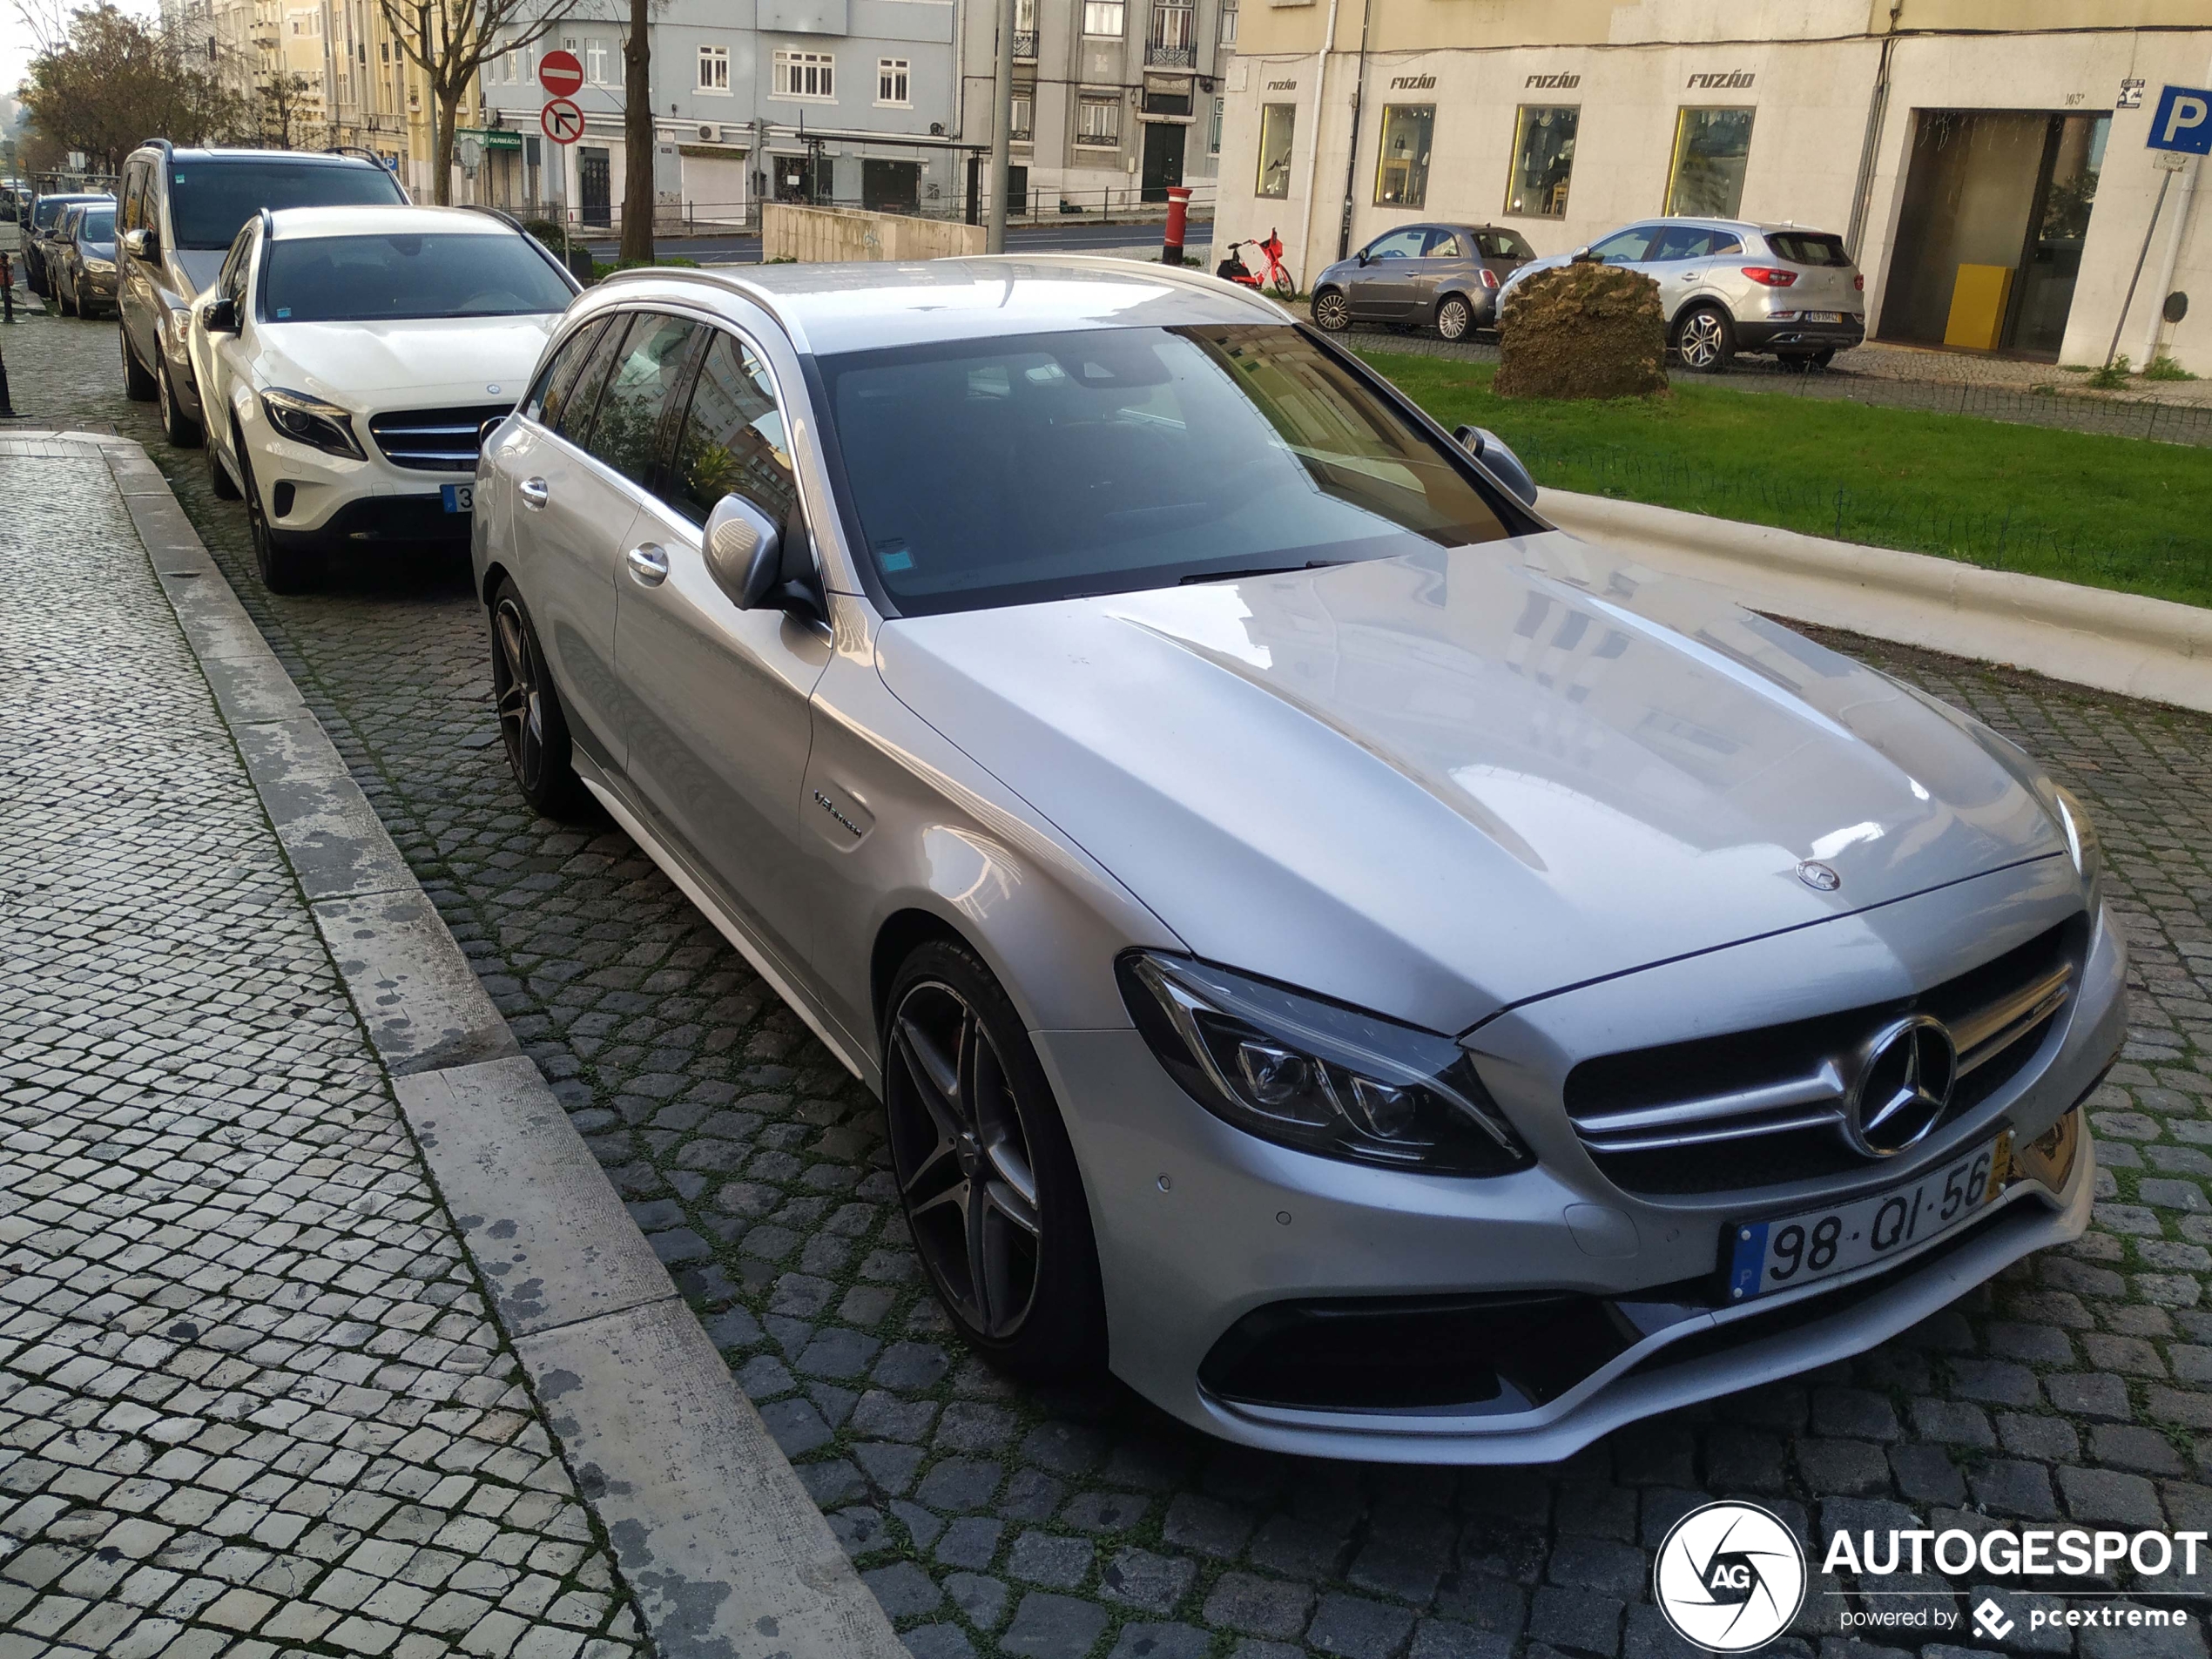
pixel 1444 277
pixel 45 217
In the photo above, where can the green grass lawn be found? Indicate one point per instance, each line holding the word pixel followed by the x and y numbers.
pixel 2112 512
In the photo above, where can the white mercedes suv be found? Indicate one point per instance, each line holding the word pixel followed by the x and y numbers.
pixel 349 357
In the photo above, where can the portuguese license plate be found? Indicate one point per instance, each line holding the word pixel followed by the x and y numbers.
pixel 459 498
pixel 1769 1256
pixel 1824 316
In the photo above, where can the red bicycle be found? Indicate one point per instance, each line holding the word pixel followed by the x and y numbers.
pixel 1274 279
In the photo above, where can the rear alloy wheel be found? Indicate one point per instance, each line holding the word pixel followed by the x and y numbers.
pixel 1705 340
pixel 138 385
pixel 985 1171
pixel 1331 311
pixel 176 425
pixel 532 725
pixel 1454 317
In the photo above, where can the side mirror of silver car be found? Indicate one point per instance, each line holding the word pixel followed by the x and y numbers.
pixel 1496 455
pixel 743 552
pixel 139 244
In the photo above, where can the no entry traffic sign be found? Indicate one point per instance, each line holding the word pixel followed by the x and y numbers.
pixel 560 74
pixel 562 121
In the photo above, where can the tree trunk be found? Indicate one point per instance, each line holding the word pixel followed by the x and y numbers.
pixel 446 112
pixel 639 199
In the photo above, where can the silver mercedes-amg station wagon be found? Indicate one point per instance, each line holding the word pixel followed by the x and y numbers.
pixel 1388 980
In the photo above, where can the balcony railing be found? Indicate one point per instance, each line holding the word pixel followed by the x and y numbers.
pixel 1025 45
pixel 1158 55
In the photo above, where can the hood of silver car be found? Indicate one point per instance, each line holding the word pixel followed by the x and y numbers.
pixel 1438 785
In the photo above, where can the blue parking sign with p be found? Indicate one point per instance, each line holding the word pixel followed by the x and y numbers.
pixel 2183 120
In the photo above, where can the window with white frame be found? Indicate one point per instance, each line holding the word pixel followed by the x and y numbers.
pixel 714 69
pixel 1228 25
pixel 1102 17
pixel 1098 119
pixel 514 67
pixel 595 61
pixel 804 75
pixel 1020 125
pixel 1213 126
pixel 891 82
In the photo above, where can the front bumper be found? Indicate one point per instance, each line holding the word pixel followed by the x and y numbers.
pixel 1199 1226
pixel 369 522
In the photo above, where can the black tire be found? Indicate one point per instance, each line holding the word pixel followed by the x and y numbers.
pixel 283 570
pixel 219 477
pixel 1331 311
pixel 1824 356
pixel 176 425
pixel 138 385
pixel 1454 317
pixel 64 302
pixel 1705 340
pixel 985 1171
pixel 1283 289
pixel 532 724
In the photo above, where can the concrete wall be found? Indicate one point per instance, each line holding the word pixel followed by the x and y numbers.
pixel 828 235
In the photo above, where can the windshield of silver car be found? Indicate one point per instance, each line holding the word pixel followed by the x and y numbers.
pixel 208 200
pixel 381 279
pixel 1007 471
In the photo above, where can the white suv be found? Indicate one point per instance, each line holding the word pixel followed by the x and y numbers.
pixel 348 359
pixel 1731 287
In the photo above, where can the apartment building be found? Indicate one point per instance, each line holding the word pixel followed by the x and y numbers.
pixel 1114 100
pixel 1986 159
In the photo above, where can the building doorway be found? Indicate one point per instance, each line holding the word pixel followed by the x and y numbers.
pixel 1989 236
pixel 1164 142
pixel 890 186
pixel 594 182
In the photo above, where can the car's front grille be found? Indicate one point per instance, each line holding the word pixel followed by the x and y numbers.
pixel 1765 1107
pixel 435 440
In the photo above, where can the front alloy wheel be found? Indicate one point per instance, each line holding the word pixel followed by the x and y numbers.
pixel 1331 311
pixel 1703 342
pixel 985 1171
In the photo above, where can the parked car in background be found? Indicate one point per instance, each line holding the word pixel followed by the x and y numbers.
pixel 180 210
pixel 81 258
pixel 45 214
pixel 349 358
pixel 1445 277
pixel 1390 981
pixel 1729 285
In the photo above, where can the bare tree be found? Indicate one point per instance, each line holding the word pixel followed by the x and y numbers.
pixel 283 109
pixel 637 139
pixel 450 41
pixel 102 81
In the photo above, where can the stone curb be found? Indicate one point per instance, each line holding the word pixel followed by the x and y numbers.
pixel 2114 642
pixel 726 1554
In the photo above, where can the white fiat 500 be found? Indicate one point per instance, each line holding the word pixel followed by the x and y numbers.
pixel 348 359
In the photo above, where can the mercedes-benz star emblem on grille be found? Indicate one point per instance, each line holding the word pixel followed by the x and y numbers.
pixel 1821 877
pixel 1904 1084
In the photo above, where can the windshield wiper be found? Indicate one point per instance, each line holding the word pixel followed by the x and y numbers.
pixel 1263 569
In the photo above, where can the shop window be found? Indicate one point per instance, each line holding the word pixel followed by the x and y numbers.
pixel 1401 176
pixel 1711 149
pixel 1543 160
pixel 1277 125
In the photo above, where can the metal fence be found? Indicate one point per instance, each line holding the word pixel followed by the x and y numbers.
pixel 1115 205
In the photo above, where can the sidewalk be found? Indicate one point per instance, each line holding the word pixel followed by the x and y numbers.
pixel 251 1399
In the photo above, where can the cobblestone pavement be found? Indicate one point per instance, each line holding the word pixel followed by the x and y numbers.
pixel 250 1399
pixel 1054 1526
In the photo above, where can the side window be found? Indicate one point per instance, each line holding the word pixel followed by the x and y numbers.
pixel 1625 247
pixel 1682 242
pixel 1400 244
pixel 230 282
pixel 550 395
pixel 654 355
pixel 733 441
pixel 1446 244
pixel 134 197
pixel 574 417
pixel 1725 243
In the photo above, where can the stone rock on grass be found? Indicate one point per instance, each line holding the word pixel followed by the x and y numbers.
pixel 1583 331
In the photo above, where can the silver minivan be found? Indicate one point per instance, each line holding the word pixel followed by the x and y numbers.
pixel 1729 287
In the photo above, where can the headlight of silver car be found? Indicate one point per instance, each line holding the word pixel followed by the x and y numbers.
pixel 310 421
pixel 2081 843
pixel 1317 1075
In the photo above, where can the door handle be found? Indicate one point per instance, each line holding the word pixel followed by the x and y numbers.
pixel 648 565
pixel 534 492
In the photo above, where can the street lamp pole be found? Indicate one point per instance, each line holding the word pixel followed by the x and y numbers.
pixel 1001 120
